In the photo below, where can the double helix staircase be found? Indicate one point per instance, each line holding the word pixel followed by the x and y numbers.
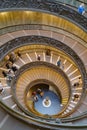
pixel 70 69
pixel 56 28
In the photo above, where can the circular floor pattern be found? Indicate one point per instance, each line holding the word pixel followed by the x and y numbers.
pixel 53 106
pixel 46 102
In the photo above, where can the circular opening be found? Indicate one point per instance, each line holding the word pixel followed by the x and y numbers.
pixel 45 99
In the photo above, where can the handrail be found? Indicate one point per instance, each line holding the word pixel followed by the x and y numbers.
pixel 71 3
pixel 10 29
pixel 42 123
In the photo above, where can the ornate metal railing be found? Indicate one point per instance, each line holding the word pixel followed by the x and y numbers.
pixel 43 27
pixel 73 3
pixel 45 124
pixel 9 3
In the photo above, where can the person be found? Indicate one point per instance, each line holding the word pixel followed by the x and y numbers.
pixel 14 68
pixel 8 65
pixel 39 90
pixel 78 82
pixel 38 58
pixel 76 96
pixel 4 73
pixel 59 62
pixel 81 9
pixel 35 98
pixel 48 53
pixel 7 57
pixel 41 94
pixel 33 93
pixel 10 75
pixel 12 57
pixel 19 54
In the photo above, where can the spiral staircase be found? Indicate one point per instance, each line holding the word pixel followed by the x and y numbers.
pixel 32 28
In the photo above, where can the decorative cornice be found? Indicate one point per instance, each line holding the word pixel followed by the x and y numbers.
pixel 45 6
